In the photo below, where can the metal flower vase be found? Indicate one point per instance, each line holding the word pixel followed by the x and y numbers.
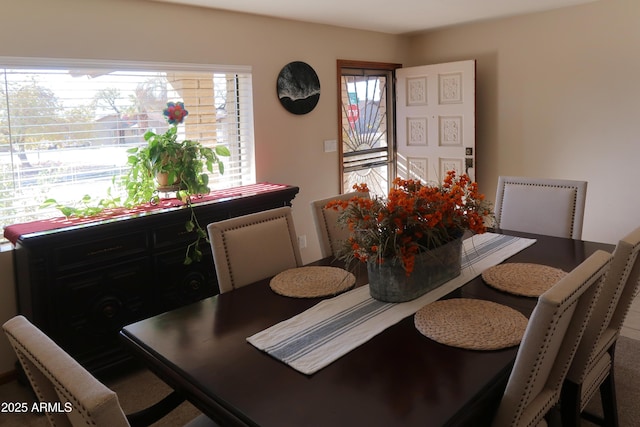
pixel 389 282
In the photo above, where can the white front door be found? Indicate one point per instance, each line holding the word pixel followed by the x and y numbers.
pixel 435 120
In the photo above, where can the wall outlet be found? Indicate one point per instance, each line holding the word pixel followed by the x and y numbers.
pixel 302 241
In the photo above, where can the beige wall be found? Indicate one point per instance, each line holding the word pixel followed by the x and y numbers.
pixel 557 96
pixel 556 91
pixel 289 148
pixel 286 144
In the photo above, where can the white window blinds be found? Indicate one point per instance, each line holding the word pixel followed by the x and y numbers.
pixel 64 132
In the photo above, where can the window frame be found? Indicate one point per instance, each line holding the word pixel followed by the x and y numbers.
pixel 247 164
pixel 365 68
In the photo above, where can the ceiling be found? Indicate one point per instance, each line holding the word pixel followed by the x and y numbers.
pixel 387 16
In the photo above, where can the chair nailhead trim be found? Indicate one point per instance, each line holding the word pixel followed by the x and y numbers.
pixel 575 197
pixel 22 352
pixel 237 227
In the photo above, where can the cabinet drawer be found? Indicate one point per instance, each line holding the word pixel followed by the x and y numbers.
pixel 101 249
pixel 175 234
pixel 172 235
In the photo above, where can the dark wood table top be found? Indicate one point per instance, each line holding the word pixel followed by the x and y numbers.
pixel 398 378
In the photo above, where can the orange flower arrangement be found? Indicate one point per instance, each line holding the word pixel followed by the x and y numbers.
pixel 415 217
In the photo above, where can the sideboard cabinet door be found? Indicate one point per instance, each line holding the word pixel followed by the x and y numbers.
pixel 89 308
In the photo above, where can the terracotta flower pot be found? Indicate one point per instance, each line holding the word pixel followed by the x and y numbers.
pixel 162 178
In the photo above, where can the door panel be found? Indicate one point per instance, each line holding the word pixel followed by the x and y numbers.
pixel 435 120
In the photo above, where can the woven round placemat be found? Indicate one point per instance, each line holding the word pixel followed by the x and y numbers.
pixel 312 282
pixel 524 279
pixel 471 324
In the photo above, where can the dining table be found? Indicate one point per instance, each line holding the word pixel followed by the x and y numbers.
pixel 398 377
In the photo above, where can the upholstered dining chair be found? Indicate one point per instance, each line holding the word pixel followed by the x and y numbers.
pixel 592 367
pixel 553 207
pixel 331 233
pixel 253 247
pixel 549 344
pixel 57 378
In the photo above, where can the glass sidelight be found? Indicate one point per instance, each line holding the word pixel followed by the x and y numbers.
pixel 366 122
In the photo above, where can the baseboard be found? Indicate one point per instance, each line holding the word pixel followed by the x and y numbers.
pixel 7 377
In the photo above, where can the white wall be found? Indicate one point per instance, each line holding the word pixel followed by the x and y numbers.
pixel 557 96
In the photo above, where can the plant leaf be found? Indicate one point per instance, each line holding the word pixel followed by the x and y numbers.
pixel 49 202
pixel 221 150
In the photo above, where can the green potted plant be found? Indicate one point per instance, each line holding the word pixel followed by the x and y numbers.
pixel 166 164
pixel 170 165
pixel 163 164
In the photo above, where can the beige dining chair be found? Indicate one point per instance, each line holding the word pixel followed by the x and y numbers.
pixel 253 247
pixel 592 368
pixel 553 207
pixel 330 232
pixel 83 400
pixel 549 343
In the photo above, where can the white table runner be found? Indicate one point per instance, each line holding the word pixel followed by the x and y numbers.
pixel 316 337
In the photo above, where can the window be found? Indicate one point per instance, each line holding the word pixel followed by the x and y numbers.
pixel 366 122
pixel 65 130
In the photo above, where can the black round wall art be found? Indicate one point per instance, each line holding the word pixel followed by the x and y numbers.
pixel 298 87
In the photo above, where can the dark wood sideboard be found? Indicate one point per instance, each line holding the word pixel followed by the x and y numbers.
pixel 82 284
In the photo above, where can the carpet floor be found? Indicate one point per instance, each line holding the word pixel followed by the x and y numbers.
pixel 140 388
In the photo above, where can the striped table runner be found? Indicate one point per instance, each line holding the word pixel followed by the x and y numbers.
pixel 316 337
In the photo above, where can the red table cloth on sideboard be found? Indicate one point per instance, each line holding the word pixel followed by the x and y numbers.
pixel 14 231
